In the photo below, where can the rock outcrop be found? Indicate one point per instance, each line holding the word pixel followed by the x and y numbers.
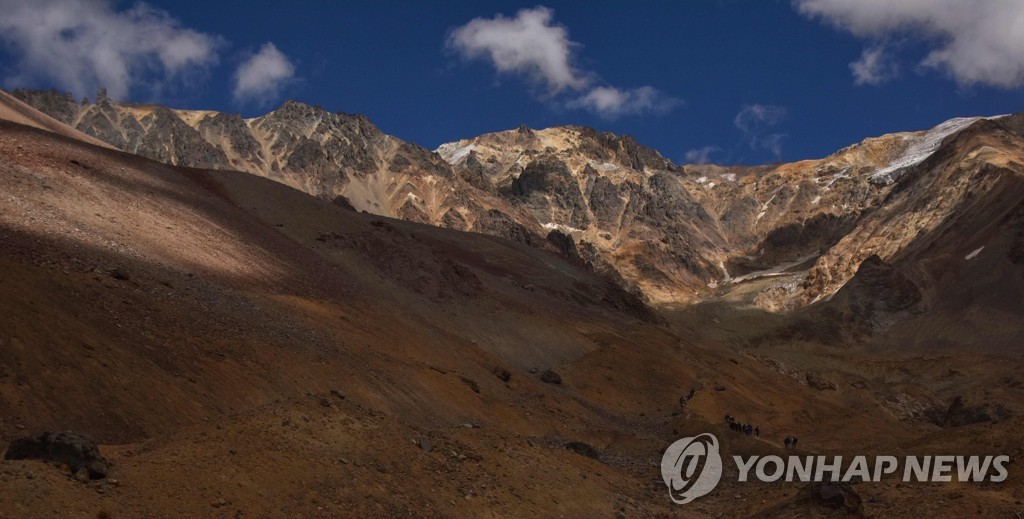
pixel 68 448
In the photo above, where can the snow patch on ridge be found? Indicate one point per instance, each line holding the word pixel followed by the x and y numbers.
pixel 565 229
pixel 920 148
pixel 452 153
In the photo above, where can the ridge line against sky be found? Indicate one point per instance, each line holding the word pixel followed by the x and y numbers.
pixel 714 81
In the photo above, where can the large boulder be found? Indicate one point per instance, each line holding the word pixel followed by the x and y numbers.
pixel 583 449
pixel 550 377
pixel 63 448
pixel 839 496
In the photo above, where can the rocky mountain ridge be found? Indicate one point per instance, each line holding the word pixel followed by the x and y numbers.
pixel 673 234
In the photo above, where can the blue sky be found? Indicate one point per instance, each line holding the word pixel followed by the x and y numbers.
pixel 727 81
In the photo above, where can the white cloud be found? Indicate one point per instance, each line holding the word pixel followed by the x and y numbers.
pixel 532 44
pixel 261 77
pixel 528 44
pixel 611 102
pixel 771 142
pixel 701 155
pixel 756 120
pixel 874 67
pixel 81 45
pixel 974 42
pixel 755 116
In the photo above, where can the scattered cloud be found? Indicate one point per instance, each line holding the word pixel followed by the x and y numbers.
pixel 82 45
pixel 533 45
pixel 753 117
pixel 874 67
pixel 701 155
pixel 771 142
pixel 971 42
pixel 530 43
pixel 261 77
pixel 756 121
pixel 611 102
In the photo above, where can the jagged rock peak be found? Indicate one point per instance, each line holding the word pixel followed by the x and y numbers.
pixel 299 111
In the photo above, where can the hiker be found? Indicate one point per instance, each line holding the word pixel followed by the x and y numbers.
pixel 757 432
pixel 794 442
pixel 788 441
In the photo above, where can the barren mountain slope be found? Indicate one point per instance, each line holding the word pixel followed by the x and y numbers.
pixel 11 109
pixel 184 314
pixel 687 235
pixel 328 155
pixel 239 347
pixel 667 233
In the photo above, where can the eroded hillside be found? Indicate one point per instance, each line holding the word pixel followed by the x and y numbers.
pixel 241 348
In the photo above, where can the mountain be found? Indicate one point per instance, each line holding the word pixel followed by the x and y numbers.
pixel 245 347
pixel 668 233
pixel 695 233
pixel 211 321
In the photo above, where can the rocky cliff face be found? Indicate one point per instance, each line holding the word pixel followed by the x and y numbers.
pixel 679 234
pixel 669 233
pixel 973 181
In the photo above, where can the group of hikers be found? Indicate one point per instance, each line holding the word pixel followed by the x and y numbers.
pixel 735 426
pixel 744 428
pixel 754 430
